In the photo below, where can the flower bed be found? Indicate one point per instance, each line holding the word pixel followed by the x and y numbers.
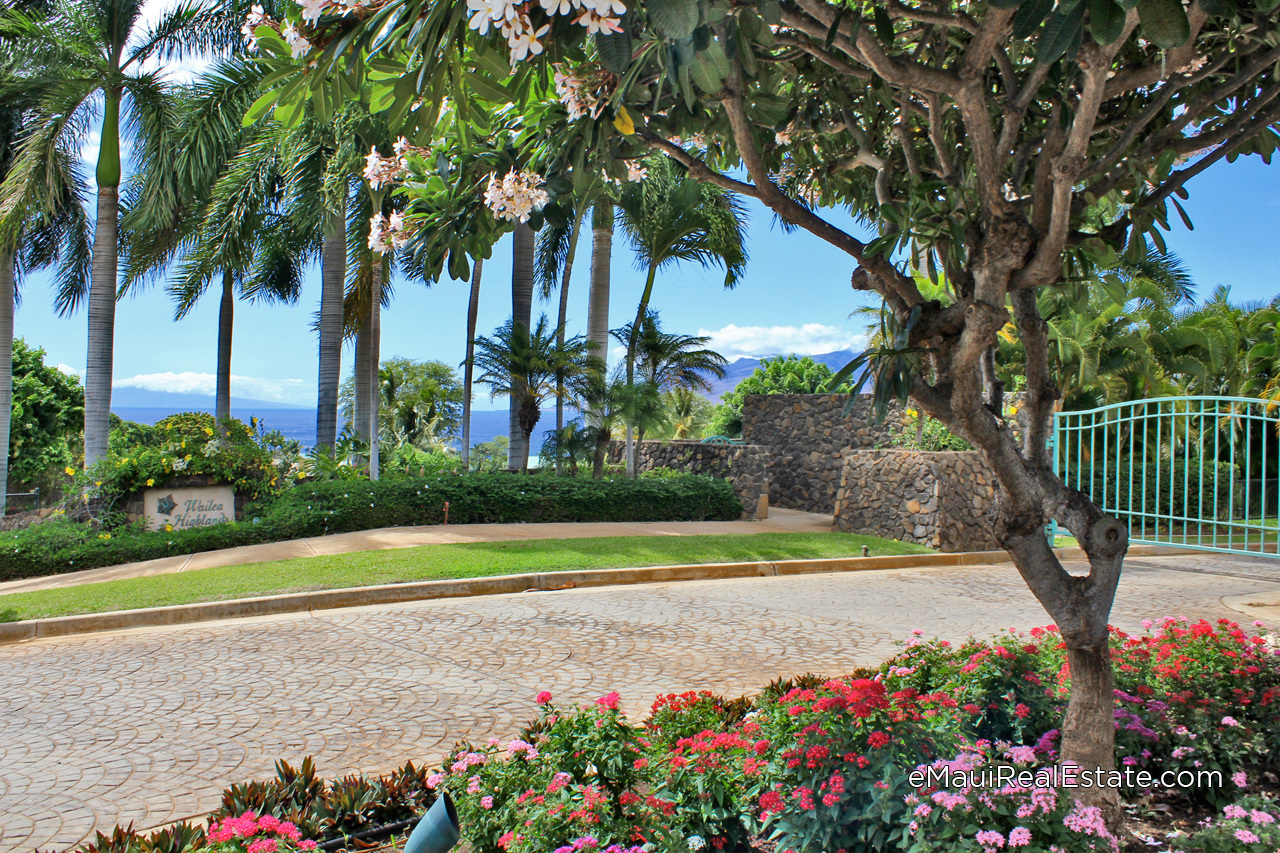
pixel 818 764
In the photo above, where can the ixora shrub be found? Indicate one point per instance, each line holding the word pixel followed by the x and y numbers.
pixel 338 506
pixel 1243 827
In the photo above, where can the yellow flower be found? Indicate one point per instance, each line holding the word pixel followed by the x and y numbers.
pixel 208 431
pixel 168 528
pixel 913 413
pixel 104 535
pixel 71 472
pixel 150 482
pixel 98 483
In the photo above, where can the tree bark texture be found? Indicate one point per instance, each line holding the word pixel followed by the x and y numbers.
pixel 333 273
pixel 468 369
pixel 102 324
pixel 562 319
pixel 375 363
pixel 7 299
pixel 226 324
pixel 521 315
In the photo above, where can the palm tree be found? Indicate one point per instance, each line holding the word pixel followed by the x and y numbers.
pixel 522 282
pixel 176 206
pixel 555 251
pixel 671 217
pixel 524 363
pixel 88 52
pixel 468 369
pixel 55 232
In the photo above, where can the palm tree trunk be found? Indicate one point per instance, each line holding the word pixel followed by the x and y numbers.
pixel 102 288
pixel 598 304
pixel 226 322
pixel 631 362
pixel 521 314
pixel 561 321
pixel 7 293
pixel 333 273
pixel 102 323
pixel 468 370
pixel 360 404
pixel 375 351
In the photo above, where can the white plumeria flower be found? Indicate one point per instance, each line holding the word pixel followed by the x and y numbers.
pixel 596 23
pixel 377 235
pixel 256 18
pixel 299 46
pixel 636 173
pixel 313 9
pixel 524 42
pixel 559 7
pixel 607 8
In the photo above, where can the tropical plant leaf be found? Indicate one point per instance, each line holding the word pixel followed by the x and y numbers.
pixel 1106 20
pixel 1164 22
pixel 676 19
pixel 1030 16
pixel 614 50
pixel 710 68
pixel 1059 32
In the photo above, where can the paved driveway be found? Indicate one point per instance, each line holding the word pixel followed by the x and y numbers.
pixel 148 726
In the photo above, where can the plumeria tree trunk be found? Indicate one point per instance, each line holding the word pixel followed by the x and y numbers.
pixel 226 323
pixel 562 319
pixel 521 315
pixel 333 268
pixel 7 296
pixel 375 361
pixel 468 369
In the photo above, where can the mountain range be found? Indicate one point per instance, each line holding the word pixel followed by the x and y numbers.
pixel 740 369
pixel 141 398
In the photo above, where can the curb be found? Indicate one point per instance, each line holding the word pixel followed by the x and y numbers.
pixel 332 599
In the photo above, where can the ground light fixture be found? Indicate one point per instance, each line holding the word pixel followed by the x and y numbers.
pixel 438 831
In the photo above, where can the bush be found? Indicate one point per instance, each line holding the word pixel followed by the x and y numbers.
pixel 1162 489
pixel 1244 827
pixel 340 506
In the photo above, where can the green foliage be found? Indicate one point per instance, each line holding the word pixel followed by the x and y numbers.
pixel 1251 823
pixel 339 506
pixel 1168 487
pixel 921 432
pixel 490 456
pixel 183 445
pixel 789 375
pixel 420 401
pixel 48 415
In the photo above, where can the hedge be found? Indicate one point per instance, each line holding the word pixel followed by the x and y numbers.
pixel 314 509
pixel 1167 484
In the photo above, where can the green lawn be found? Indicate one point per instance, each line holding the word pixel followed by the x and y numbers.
pixel 437 562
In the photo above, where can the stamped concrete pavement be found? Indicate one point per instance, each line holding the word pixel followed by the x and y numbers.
pixel 148 726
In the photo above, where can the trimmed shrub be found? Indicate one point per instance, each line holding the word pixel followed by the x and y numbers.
pixel 315 509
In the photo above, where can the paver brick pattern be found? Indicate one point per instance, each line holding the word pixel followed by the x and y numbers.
pixel 149 726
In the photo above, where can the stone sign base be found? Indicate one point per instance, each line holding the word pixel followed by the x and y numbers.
pixel 939 499
pixel 192 506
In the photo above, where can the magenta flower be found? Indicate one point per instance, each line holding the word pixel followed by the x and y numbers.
pixel 1240 779
pixel 486 802
pixel 543 698
pixel 1241 834
pixel 610 701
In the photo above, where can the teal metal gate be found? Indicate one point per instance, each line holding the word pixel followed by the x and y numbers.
pixel 1191 472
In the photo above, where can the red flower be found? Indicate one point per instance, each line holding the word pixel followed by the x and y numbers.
pixel 877 739
pixel 1021 710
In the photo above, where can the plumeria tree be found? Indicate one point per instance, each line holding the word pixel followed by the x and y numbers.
pixel 1008 145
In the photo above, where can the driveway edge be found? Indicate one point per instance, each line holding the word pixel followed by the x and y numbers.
pixel 331 599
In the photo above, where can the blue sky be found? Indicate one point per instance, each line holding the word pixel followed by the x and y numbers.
pixel 795 297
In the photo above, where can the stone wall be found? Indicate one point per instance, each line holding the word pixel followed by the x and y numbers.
pixel 806 434
pixel 939 499
pixel 745 466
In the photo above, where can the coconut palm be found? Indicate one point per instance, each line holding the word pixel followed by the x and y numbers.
pixel 523 250
pixel 524 364
pixel 85 55
pixel 671 217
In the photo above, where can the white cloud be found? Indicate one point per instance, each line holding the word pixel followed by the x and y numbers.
pixel 258 388
pixel 68 370
pixel 757 341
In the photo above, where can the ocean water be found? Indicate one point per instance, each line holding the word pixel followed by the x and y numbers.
pixel 300 424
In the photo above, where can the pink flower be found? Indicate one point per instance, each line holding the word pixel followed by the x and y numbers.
pixel 543 698
pixel 434 780
pixel 1022 755
pixel 486 802
pixel 263 845
pixel 609 702
pixel 1229 721
pixel 1260 817
pixel 990 839
pixel 1233 812
pixel 308 844
pixel 1019 836
pixel 1240 779
pixel 1242 834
